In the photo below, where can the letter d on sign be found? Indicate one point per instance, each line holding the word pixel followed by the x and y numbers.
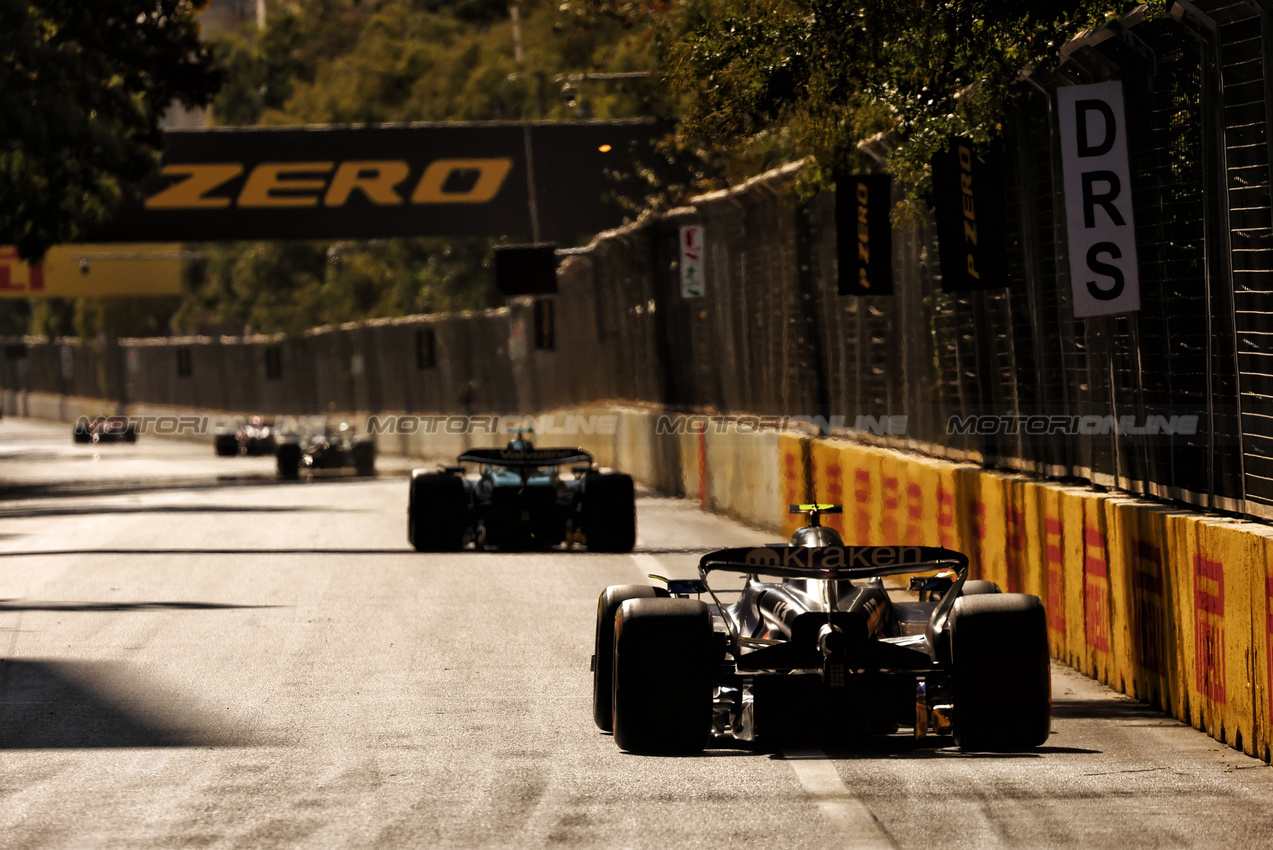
pixel 1098 199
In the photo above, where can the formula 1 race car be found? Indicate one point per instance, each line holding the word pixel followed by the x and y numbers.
pixel 827 649
pixel 520 500
pixel 326 447
pixel 104 429
pixel 250 437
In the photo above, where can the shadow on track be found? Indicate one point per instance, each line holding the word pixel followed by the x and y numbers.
pixel 62 705
pixel 15 605
pixel 306 551
pixel 129 486
pixel 1108 708
pixel 86 510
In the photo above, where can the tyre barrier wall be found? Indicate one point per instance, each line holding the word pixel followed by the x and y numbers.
pixel 1162 603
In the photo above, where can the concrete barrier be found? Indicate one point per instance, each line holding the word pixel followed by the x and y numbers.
pixel 1165 604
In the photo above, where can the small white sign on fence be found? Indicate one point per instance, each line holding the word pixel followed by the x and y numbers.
pixel 692 251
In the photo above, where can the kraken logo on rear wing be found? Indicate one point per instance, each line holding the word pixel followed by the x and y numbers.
pixel 526 457
pixel 834 562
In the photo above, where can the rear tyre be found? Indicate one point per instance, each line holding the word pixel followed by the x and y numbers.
pixel 976 587
pixel 1001 676
pixel 289 461
pixel 226 445
pixel 365 458
pixel 609 512
pixel 437 512
pixel 603 649
pixel 82 435
pixel 130 434
pixel 665 660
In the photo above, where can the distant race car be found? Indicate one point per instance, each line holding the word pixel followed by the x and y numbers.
pixel 521 500
pixel 250 437
pixel 104 429
pixel 327 447
pixel 825 648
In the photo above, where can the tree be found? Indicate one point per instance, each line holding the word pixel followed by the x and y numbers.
pixel 767 81
pixel 83 87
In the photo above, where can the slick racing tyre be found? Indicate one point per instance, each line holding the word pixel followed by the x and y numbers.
pixel 976 587
pixel 82 435
pixel 130 434
pixel 665 660
pixel 364 457
pixel 1001 678
pixel 226 445
pixel 603 649
pixel 608 512
pixel 437 512
pixel 289 461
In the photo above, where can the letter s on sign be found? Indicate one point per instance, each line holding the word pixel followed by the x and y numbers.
pixel 1100 267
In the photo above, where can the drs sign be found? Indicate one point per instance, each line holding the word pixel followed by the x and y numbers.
pixel 1098 199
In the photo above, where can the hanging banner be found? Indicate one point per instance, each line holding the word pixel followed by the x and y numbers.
pixel 968 195
pixel 864 234
pixel 372 182
pixel 72 271
pixel 692 250
pixel 1098 199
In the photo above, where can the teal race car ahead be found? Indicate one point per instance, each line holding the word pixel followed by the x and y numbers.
pixel 522 498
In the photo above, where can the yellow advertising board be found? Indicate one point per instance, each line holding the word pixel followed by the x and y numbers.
pixel 74 271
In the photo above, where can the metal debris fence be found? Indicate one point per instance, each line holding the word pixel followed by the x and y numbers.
pixel 772 337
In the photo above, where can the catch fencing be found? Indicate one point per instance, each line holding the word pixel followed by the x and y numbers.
pixel 1007 377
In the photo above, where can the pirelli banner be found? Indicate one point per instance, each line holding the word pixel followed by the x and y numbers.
pixel 968 195
pixel 864 234
pixel 375 182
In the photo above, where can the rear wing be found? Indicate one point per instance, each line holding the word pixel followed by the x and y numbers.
pixel 514 458
pixel 832 563
pixel 837 563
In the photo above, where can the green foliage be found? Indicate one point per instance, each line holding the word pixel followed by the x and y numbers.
pixel 345 62
pixel 762 81
pixel 342 61
pixel 269 287
pixel 82 89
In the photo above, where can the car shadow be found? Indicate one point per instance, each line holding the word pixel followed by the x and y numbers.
pixel 83 705
pixel 894 747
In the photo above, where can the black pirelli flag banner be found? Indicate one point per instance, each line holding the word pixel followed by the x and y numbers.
pixel 384 181
pixel 864 235
pixel 968 194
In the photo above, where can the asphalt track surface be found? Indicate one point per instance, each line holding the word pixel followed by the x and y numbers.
pixel 195 655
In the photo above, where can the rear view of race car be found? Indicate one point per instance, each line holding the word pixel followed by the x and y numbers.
pixel 104 429
pixel 326 447
pixel 251 437
pixel 822 640
pixel 520 499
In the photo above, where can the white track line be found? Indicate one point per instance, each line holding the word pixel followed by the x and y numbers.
pixel 852 820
